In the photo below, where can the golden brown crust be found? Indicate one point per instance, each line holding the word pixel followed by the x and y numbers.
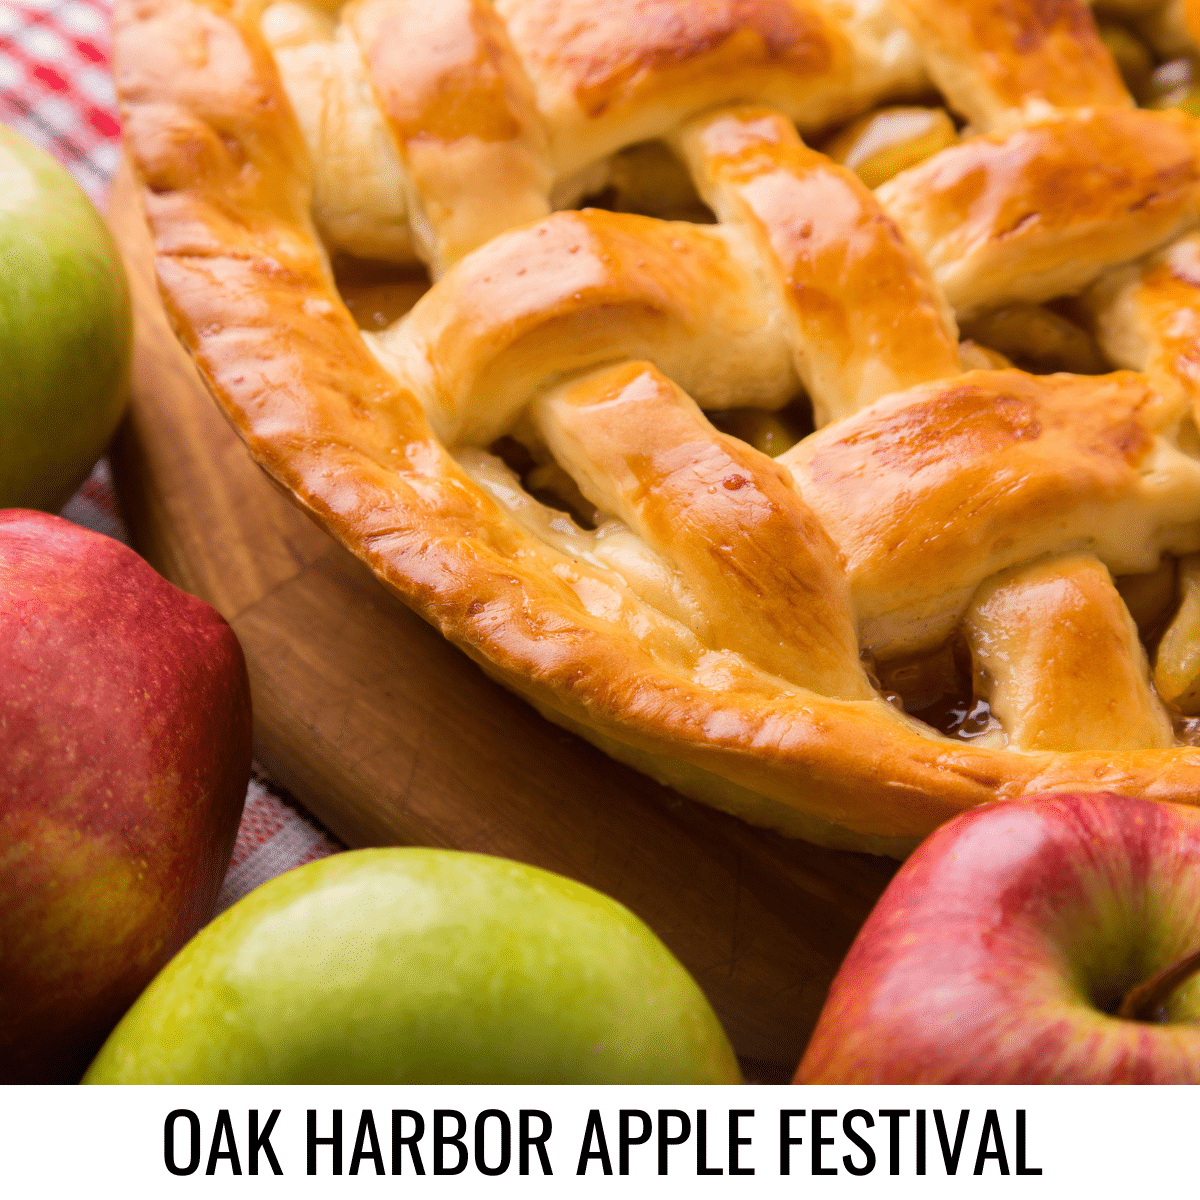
pixel 442 72
pixel 1088 691
pixel 1177 663
pixel 929 492
pixel 1041 211
pixel 461 109
pixel 993 56
pixel 203 106
pixel 581 289
pixel 1148 317
pixel 211 134
pixel 650 64
pixel 870 319
pixel 646 45
pixel 762 567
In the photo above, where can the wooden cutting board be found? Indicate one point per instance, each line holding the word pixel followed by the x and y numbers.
pixel 391 737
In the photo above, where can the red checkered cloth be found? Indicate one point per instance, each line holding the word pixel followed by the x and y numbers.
pixel 55 88
pixel 56 91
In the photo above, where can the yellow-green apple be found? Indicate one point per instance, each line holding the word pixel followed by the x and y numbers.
pixel 1048 940
pixel 124 758
pixel 65 330
pixel 420 966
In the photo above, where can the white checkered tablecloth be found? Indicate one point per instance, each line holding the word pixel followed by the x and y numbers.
pixel 56 91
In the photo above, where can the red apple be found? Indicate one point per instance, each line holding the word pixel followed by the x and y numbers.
pixel 1048 940
pixel 124 757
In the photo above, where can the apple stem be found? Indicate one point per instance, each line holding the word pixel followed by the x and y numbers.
pixel 1144 1002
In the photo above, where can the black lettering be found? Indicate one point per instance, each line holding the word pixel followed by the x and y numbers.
pixel 627 1140
pixel 539 1142
pixel 817 1141
pixel 665 1141
pixel 920 1141
pixel 991 1127
pixel 262 1142
pixel 735 1115
pixel 481 1141
pixel 859 1114
pixel 169 1159
pixel 951 1160
pixel 1022 1169
pixel 786 1141
pixel 595 1128
pixel 702 1167
pixel 441 1141
pixel 335 1141
pixel 399 1141
pixel 366 1133
pixel 223 1131
pixel 893 1115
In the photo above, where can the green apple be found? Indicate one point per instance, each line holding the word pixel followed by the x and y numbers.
pixel 65 330
pixel 420 966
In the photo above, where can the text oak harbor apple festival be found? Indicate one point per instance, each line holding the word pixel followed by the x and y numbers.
pixel 492 1142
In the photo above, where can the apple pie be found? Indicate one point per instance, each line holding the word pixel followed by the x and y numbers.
pixel 803 408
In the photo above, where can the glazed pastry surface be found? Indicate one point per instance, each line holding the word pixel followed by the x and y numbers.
pixel 702 480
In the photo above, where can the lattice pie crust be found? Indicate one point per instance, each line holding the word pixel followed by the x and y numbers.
pixel 720 618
